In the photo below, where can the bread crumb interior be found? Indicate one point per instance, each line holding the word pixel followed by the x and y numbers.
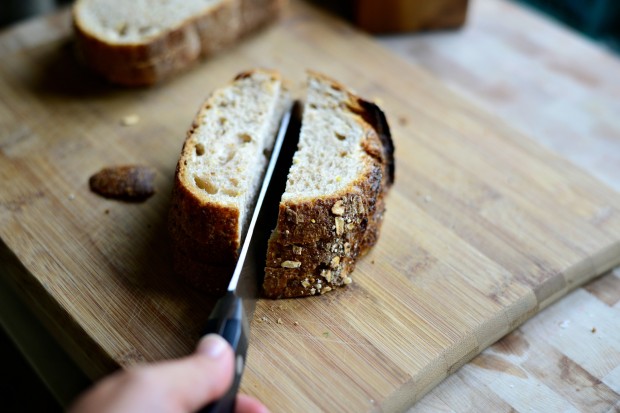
pixel 228 150
pixel 327 159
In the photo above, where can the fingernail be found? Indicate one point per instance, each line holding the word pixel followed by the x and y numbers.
pixel 212 345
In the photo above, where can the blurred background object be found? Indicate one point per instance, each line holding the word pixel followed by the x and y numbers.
pixel 395 16
pixel 14 10
pixel 598 19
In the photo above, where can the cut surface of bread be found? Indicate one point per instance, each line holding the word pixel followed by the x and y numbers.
pixel 141 42
pixel 333 206
pixel 138 21
pixel 219 174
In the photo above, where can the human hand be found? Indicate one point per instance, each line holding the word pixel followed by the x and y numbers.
pixel 177 386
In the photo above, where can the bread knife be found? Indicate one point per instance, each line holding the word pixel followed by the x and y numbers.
pixel 233 312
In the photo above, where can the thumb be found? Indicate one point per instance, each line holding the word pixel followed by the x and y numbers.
pixel 182 385
pixel 196 380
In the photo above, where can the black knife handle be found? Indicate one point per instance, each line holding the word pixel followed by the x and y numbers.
pixel 227 320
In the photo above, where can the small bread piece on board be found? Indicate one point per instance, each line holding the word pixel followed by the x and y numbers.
pixel 333 206
pixel 141 42
pixel 219 173
pixel 127 182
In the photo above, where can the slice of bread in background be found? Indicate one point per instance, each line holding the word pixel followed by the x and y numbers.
pixel 141 42
pixel 332 209
pixel 219 174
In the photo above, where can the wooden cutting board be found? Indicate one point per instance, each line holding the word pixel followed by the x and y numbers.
pixel 483 229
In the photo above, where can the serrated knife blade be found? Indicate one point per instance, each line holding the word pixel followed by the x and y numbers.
pixel 233 312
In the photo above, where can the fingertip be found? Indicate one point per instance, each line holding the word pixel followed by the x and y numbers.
pixel 212 346
pixel 203 376
pixel 248 404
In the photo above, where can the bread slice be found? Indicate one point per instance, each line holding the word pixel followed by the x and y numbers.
pixel 141 42
pixel 333 206
pixel 219 173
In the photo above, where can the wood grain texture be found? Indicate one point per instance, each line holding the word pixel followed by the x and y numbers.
pixel 483 229
pixel 515 66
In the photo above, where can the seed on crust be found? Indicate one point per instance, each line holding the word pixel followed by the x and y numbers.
pixel 297 250
pixel 327 274
pixel 130 120
pixel 338 208
pixel 339 226
pixel 291 264
pixel 347 281
pixel 360 205
pixel 335 262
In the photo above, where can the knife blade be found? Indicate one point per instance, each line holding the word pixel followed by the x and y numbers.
pixel 233 312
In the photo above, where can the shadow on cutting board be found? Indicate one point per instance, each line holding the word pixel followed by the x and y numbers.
pixel 22 389
pixel 144 266
pixel 56 71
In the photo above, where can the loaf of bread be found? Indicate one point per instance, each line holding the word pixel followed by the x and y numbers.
pixel 219 174
pixel 333 205
pixel 140 42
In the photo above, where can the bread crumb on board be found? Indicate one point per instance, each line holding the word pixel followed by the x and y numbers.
pixel 130 120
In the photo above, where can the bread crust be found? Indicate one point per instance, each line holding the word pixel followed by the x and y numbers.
pixel 160 57
pixel 317 241
pixel 205 235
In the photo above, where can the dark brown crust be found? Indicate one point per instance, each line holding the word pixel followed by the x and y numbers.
pixel 205 236
pixel 169 53
pixel 308 234
pixel 127 182
pixel 374 116
pixel 203 228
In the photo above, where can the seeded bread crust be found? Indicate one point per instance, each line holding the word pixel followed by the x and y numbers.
pixel 159 57
pixel 317 241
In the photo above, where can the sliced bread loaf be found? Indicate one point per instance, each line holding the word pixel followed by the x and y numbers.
pixel 333 206
pixel 141 42
pixel 219 173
